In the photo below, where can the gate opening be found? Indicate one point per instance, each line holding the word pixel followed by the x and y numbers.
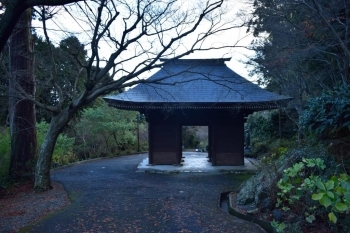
pixel 195 145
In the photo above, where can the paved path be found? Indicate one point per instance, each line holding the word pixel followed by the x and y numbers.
pixel 109 196
pixel 198 162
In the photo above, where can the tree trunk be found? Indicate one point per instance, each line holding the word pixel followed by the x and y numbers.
pixel 22 112
pixel 43 165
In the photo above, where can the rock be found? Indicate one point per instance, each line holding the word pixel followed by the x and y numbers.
pixel 259 190
pixel 253 211
pixel 266 205
pixel 246 194
pixel 277 215
pixel 255 190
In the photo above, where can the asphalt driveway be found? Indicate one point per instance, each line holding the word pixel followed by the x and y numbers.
pixel 109 196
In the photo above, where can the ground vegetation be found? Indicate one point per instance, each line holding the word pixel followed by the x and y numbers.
pixel 302 50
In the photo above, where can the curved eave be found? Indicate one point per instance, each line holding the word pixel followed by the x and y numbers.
pixel 255 106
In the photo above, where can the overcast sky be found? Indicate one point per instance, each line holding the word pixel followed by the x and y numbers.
pixel 64 25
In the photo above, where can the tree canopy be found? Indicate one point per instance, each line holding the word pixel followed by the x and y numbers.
pixel 302 47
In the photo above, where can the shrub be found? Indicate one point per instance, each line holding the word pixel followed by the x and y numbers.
pixel 264 133
pixel 105 131
pixel 63 153
pixel 4 155
pixel 261 127
pixel 41 129
pixel 328 115
pixel 5 147
pixel 265 125
pixel 306 190
pixel 259 148
pixel 280 146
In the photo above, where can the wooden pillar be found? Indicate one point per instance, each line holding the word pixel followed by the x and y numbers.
pixel 228 142
pixel 150 142
pixel 164 144
pixel 210 143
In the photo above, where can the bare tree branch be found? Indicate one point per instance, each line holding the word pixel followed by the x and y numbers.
pixel 14 9
pixel 142 33
pixel 53 72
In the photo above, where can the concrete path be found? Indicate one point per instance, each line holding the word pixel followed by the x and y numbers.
pixel 198 162
pixel 108 195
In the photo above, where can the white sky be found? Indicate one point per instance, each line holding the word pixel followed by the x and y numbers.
pixel 63 25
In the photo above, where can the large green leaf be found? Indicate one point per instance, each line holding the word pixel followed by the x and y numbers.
pixel 332 217
pixel 330 185
pixel 330 194
pixel 317 196
pixel 320 185
pixel 341 207
pixel 325 201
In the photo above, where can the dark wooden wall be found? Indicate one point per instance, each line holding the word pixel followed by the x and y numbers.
pixel 164 143
pixel 228 143
pixel 226 134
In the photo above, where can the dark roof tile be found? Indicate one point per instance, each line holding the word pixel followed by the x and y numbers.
pixel 196 81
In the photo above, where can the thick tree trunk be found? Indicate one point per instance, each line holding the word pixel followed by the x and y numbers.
pixel 43 165
pixel 22 112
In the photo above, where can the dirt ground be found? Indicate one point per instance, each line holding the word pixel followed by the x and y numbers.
pixel 21 206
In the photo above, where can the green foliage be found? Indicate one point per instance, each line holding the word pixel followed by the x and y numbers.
pixel 261 126
pixel 41 129
pixel 261 132
pixel 69 76
pixel 281 151
pixel 101 131
pixel 304 183
pixel 272 150
pixel 4 155
pixel 279 227
pixel 104 131
pixel 292 183
pixel 202 145
pixel 296 58
pixel 189 137
pixel 64 149
pixel 5 148
pixel 265 133
pixel 259 147
pixel 280 147
pixel 329 114
pixel 194 137
pixel 63 153
pixel 334 194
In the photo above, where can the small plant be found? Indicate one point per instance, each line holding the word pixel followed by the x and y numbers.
pixel 279 227
pixel 334 194
pixel 302 185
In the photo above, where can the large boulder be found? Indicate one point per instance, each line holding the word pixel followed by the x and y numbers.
pixel 260 191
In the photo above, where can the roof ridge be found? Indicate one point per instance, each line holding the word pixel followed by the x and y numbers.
pixel 195 61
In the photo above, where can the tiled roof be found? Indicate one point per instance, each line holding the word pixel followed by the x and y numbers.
pixel 195 81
